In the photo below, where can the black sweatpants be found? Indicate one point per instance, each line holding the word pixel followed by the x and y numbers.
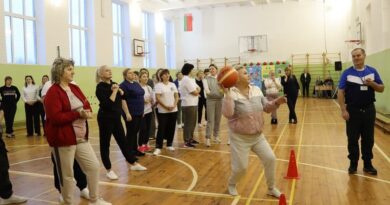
pixel 79 176
pixel 166 128
pixel 305 89
pixel 132 129
pixel 146 124
pixel 108 127
pixel 9 116
pixel 5 183
pixel 41 114
pixel 201 104
pixel 361 125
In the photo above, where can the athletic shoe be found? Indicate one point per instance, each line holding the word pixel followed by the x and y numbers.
pixel 194 141
pixel 171 148
pixel 274 192
pixel 157 152
pixel 217 140
pixel 137 167
pixel 370 170
pixel 61 200
pixel 208 143
pixel 100 202
pixel 111 175
pixel 14 199
pixel 84 193
pixel 188 145
pixel 232 189
pixel 353 167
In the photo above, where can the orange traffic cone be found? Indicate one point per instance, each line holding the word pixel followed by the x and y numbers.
pixel 292 172
pixel 282 200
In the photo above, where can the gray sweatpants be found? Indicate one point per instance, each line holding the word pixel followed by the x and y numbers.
pixel 240 146
pixel 214 114
pixel 189 115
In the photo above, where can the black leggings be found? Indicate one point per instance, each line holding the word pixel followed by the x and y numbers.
pixel 146 124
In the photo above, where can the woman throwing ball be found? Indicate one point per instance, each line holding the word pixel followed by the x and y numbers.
pixel 243 105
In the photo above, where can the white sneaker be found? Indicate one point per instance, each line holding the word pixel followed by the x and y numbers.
pixel 14 199
pixel 100 202
pixel 61 200
pixel 171 148
pixel 217 140
pixel 274 192
pixel 179 126
pixel 111 175
pixel 157 152
pixel 208 143
pixel 232 189
pixel 200 125
pixel 84 193
pixel 228 142
pixel 137 167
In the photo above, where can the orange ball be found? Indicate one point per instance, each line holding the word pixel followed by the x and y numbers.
pixel 227 77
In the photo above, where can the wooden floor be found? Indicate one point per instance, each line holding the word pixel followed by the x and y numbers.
pixel 199 176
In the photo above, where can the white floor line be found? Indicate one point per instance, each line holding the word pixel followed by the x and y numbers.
pixel 236 200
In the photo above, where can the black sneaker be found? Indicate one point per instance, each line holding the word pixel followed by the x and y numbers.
pixel 139 154
pixel 352 168
pixel 189 145
pixel 370 170
pixel 194 141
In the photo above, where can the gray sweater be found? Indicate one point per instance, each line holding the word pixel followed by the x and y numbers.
pixel 212 89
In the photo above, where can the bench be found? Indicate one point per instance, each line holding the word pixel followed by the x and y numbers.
pixel 383 121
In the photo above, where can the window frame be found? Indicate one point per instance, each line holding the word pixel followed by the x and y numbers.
pixel 80 30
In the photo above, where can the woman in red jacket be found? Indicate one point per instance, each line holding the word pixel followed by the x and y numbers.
pixel 67 111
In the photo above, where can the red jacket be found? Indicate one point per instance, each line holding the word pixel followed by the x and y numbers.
pixel 59 116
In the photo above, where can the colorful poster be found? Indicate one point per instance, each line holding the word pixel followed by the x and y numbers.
pixel 255 74
pixel 267 69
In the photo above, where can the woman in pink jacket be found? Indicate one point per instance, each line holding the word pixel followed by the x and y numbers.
pixel 243 105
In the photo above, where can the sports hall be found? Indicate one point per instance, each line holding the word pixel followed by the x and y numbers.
pixel 262 35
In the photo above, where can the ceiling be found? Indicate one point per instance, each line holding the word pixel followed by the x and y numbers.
pixel 171 5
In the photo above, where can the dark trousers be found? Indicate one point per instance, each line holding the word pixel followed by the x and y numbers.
pixel 5 183
pixel 32 119
pixel 361 125
pixel 132 129
pixel 166 128
pixel 291 101
pixel 179 116
pixel 201 104
pixel 108 127
pixel 79 176
pixel 41 114
pixel 9 116
pixel 146 124
pixel 305 89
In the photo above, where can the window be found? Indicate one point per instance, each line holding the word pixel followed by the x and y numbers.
pixel 78 31
pixel 117 34
pixel 149 35
pixel 169 44
pixel 20 34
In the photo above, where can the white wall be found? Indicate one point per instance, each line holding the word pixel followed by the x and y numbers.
pixel 291 27
pixel 374 16
pixel 52 22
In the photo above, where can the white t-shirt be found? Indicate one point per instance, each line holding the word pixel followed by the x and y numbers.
pixel 186 87
pixel 148 96
pixel 45 88
pixel 167 92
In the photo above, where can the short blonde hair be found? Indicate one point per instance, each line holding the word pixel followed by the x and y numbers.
pixel 58 67
pixel 98 72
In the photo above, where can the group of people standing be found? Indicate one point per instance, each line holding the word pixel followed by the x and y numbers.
pixel 33 105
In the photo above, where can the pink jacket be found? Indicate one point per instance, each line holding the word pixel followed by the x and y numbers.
pixel 245 115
